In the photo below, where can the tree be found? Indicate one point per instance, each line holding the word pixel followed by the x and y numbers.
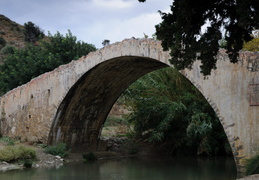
pixel 180 30
pixel 252 45
pixel 2 42
pixel 21 65
pixel 167 110
pixel 32 32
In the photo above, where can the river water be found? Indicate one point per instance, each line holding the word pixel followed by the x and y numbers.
pixel 134 169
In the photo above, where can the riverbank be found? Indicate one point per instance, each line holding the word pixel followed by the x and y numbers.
pixel 47 160
pixel 44 159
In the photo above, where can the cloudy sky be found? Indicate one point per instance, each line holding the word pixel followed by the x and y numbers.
pixel 91 21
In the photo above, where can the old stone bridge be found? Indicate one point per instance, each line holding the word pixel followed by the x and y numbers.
pixel 71 103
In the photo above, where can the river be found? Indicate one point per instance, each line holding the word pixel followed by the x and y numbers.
pixel 134 169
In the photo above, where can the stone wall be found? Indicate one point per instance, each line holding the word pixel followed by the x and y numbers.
pixel 252 177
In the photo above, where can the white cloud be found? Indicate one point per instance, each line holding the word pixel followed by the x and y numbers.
pixel 114 4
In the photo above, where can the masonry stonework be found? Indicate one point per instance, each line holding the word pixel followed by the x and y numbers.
pixel 71 103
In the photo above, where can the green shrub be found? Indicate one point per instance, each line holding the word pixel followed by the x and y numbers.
pixel 14 153
pixel 168 111
pixel 89 156
pixel 252 165
pixel 252 45
pixel 2 42
pixel 59 149
pixel 29 62
pixel 8 49
pixel 8 141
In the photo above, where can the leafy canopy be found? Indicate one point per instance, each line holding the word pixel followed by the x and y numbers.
pixel 252 45
pixel 32 33
pixel 180 30
pixel 167 110
pixel 21 65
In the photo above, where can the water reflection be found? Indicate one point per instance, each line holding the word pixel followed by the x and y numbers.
pixel 134 169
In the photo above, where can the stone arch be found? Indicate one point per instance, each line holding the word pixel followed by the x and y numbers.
pixel 84 109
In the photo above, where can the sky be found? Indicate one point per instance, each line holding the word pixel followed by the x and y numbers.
pixel 91 21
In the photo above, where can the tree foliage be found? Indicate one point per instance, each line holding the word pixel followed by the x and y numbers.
pixel 2 42
pixel 22 65
pixel 252 45
pixel 180 30
pixel 167 109
pixel 32 33
pixel 252 165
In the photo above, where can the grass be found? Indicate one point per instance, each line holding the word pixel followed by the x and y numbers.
pixel 59 149
pixel 15 153
pixel 7 140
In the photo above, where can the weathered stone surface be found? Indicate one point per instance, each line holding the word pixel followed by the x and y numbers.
pixel 252 177
pixel 70 104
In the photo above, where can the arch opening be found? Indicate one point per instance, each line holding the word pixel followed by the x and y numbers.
pixel 82 112
pixel 169 99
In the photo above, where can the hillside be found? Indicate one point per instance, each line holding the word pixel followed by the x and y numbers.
pixel 12 32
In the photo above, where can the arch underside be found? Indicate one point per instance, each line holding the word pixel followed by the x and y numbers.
pixel 82 113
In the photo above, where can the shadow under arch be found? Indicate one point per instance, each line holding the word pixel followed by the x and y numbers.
pixel 81 114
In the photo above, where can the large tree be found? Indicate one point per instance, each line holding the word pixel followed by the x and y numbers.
pixel 168 111
pixel 21 65
pixel 32 32
pixel 181 30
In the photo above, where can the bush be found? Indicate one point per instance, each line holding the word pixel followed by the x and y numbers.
pixel 8 50
pixel 21 65
pixel 2 42
pixel 32 32
pixel 89 156
pixel 252 166
pixel 58 150
pixel 7 140
pixel 252 45
pixel 168 111
pixel 14 153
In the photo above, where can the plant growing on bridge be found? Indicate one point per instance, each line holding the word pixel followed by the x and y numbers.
pixel 170 112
